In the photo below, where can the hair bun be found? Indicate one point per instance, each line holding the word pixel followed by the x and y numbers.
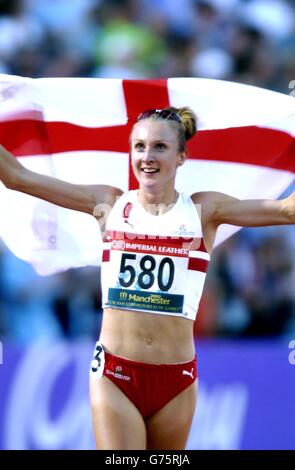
pixel 189 120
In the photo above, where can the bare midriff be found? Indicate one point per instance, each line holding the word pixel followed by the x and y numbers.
pixel 147 337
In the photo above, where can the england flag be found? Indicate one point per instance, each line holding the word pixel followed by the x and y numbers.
pixel 77 130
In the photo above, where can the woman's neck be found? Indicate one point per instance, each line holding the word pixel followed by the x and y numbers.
pixel 157 202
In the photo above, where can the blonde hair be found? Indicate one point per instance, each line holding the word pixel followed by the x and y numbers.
pixel 189 124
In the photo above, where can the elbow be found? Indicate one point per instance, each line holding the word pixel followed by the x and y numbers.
pixel 9 184
pixel 12 182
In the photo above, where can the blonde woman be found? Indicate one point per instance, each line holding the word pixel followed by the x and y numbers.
pixel 157 246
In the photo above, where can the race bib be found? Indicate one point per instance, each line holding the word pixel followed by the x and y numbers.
pixel 147 276
pixel 98 361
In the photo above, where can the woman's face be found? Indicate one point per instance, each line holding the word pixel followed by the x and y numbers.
pixel 155 154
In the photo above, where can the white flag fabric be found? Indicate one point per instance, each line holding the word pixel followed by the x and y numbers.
pixel 77 129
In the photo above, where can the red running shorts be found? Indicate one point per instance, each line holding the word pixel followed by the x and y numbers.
pixel 148 386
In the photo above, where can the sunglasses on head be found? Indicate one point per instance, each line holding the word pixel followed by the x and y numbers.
pixel 162 113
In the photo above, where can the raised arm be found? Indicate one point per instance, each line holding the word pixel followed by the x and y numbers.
pixel 220 209
pixel 78 197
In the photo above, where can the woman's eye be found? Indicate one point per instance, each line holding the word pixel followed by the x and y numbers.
pixel 161 146
pixel 139 146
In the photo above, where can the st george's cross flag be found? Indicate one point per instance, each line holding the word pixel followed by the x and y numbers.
pixel 77 129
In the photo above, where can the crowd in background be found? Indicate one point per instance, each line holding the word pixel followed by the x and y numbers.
pixel 249 41
pixel 249 290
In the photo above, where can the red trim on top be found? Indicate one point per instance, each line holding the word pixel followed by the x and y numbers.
pixel 127 209
pixel 152 248
pixel 106 255
pixel 199 246
pixel 191 243
pixel 197 264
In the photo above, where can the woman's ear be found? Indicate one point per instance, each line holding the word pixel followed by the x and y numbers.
pixel 181 158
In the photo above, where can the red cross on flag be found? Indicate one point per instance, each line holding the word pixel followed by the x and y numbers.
pixel 77 129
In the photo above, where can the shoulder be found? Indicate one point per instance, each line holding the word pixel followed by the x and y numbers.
pixel 113 195
pixel 205 197
pixel 210 202
pixel 104 204
pixel 211 198
pixel 207 200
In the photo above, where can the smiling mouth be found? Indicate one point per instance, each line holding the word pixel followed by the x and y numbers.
pixel 149 171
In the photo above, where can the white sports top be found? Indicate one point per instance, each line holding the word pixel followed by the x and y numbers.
pixel 151 263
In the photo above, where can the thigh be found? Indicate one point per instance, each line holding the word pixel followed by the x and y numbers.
pixel 169 428
pixel 117 423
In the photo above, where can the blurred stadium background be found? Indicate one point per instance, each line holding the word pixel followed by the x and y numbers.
pixel 246 324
